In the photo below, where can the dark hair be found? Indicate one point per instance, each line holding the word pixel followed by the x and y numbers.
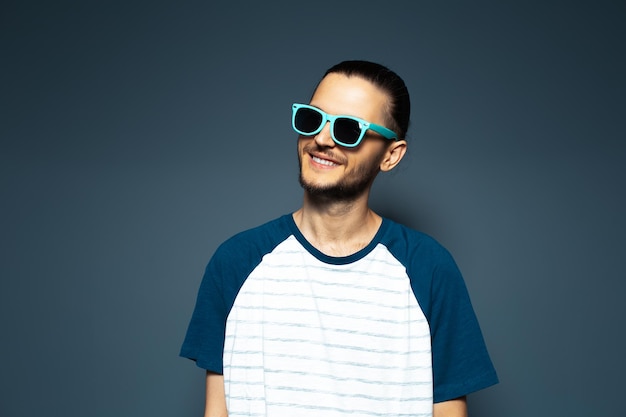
pixel 399 111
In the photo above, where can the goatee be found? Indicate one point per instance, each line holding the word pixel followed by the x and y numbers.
pixel 353 186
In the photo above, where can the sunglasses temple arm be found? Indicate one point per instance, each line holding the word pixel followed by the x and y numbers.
pixel 387 133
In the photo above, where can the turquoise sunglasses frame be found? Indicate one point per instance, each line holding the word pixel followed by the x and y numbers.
pixel 363 125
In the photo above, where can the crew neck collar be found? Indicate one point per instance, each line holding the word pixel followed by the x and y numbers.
pixel 336 260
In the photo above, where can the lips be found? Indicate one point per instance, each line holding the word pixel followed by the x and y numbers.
pixel 322 157
pixel 324 162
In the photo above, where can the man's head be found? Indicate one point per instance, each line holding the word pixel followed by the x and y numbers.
pixel 398 111
pixel 365 91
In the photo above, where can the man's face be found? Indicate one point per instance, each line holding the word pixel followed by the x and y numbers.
pixel 332 171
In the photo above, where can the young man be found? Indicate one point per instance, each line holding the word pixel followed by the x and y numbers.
pixel 333 310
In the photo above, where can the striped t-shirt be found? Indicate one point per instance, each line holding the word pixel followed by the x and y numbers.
pixel 383 332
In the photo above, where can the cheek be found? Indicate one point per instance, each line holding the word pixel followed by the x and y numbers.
pixel 302 142
pixel 373 154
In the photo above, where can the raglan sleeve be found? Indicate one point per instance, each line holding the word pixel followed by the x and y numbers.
pixel 461 363
pixel 204 340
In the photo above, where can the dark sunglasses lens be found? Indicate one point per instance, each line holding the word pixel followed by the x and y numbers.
pixel 347 130
pixel 307 120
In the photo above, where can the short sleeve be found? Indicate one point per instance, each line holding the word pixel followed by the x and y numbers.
pixel 461 363
pixel 204 341
pixel 460 360
pixel 226 272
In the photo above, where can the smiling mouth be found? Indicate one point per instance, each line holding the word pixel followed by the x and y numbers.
pixel 324 162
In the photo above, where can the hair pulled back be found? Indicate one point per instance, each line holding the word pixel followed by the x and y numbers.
pixel 399 110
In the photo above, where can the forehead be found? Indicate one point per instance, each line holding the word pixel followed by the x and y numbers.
pixel 352 96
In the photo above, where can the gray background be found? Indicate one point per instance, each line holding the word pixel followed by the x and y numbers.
pixel 138 136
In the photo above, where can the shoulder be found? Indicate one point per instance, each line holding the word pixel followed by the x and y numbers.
pixel 410 245
pixel 239 255
pixel 430 267
pixel 257 241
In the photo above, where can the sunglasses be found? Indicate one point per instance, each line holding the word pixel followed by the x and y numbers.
pixel 345 130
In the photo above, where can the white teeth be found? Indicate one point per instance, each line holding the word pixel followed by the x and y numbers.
pixel 323 161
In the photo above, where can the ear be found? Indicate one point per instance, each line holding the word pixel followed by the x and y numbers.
pixel 394 154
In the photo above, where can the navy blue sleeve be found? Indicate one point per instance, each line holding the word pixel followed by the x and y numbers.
pixel 460 360
pixel 461 363
pixel 227 271
pixel 204 342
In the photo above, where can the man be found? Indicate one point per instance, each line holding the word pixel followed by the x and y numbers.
pixel 333 310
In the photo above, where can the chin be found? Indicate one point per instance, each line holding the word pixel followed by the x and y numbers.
pixel 338 191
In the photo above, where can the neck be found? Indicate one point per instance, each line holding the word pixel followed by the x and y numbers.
pixel 337 228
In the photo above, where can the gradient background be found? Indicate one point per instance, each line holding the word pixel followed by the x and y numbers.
pixel 136 137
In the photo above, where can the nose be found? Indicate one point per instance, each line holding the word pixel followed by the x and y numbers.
pixel 323 138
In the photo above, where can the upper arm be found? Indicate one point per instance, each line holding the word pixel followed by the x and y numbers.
pixel 451 408
pixel 215 397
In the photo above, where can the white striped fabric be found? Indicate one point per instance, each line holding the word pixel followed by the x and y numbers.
pixel 306 338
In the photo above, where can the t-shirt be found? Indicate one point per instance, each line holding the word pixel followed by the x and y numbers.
pixel 386 331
